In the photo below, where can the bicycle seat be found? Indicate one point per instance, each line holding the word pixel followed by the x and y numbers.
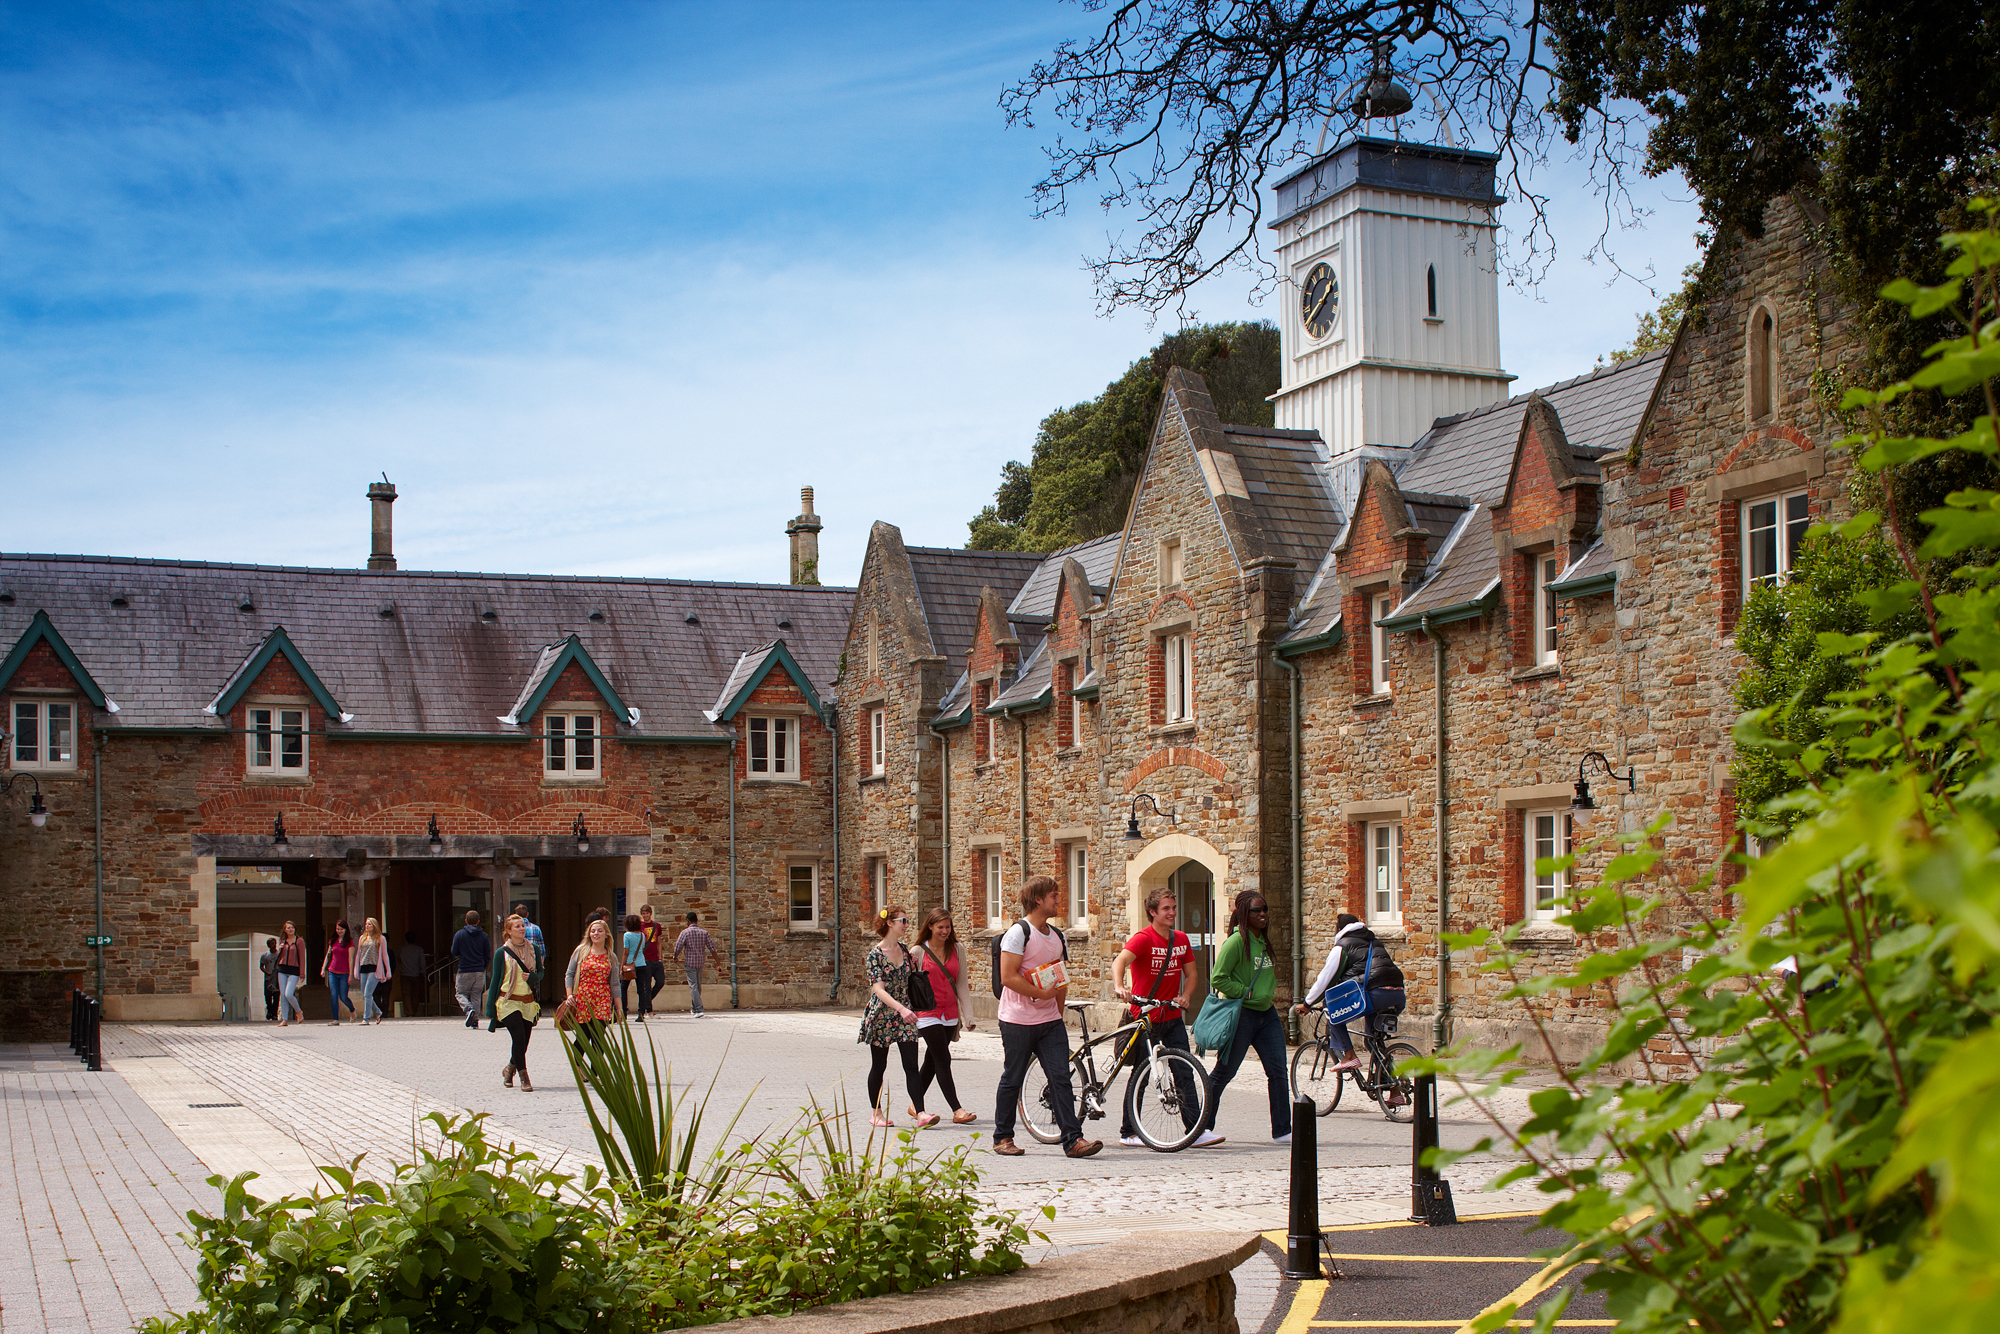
pixel 1078 1005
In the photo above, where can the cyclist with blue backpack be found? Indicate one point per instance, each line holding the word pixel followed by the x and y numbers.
pixel 1357 953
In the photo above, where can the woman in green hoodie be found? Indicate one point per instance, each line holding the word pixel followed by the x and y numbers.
pixel 1244 967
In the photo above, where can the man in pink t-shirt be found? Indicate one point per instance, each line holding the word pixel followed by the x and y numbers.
pixel 1158 962
pixel 1031 1022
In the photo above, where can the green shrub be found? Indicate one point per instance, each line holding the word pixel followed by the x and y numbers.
pixel 468 1239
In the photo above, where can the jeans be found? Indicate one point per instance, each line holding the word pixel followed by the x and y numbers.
pixel 288 997
pixel 471 989
pixel 1264 1030
pixel 270 998
pixel 337 984
pixel 369 1009
pixel 1049 1044
pixel 694 989
pixel 651 978
pixel 1169 1033
pixel 1343 1041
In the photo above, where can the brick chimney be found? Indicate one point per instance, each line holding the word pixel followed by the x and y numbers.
pixel 804 532
pixel 382 549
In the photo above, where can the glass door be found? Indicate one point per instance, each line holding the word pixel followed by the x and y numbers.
pixel 1194 896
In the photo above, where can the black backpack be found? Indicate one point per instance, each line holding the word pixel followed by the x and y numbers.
pixel 995 952
pixel 1382 970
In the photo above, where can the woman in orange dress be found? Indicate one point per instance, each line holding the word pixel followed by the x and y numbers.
pixel 588 982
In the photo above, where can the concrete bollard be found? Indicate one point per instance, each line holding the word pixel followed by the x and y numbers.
pixel 1302 1241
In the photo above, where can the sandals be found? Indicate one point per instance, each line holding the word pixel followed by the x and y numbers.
pixel 881 1122
pixel 925 1120
pixel 964 1117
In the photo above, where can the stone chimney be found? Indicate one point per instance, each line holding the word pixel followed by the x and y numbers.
pixel 804 532
pixel 382 550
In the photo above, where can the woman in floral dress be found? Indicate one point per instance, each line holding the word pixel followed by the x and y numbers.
pixel 588 982
pixel 889 1017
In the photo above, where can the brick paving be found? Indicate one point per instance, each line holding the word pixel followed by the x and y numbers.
pixel 97 1189
pixel 179 1102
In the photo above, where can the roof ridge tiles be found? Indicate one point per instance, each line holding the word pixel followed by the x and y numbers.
pixel 378 575
pixel 1472 413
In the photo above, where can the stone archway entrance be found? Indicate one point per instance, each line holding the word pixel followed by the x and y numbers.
pixel 1197 872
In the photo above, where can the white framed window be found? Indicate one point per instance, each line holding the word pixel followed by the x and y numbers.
pixel 1178 652
pixel 1773 527
pixel 1075 721
pixel 1379 606
pixel 774 747
pixel 276 740
pixel 996 908
pixel 44 735
pixel 878 881
pixel 1079 883
pixel 1546 835
pixel 1548 569
pixel 1171 565
pixel 571 745
pixel 1385 873
pixel 878 742
pixel 803 878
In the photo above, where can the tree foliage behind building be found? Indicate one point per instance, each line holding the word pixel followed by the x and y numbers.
pixel 1078 481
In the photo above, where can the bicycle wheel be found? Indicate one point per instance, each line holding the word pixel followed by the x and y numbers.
pixel 1404 1110
pixel 1313 1076
pixel 1165 1099
pixel 1038 1114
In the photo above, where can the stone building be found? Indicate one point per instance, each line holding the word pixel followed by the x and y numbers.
pixel 263 743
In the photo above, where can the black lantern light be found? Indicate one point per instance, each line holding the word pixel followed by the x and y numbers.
pixel 582 833
pixel 437 839
pixel 38 813
pixel 278 838
pixel 1582 801
pixel 1132 834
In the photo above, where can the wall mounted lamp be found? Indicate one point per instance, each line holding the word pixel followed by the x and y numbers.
pixel 38 814
pixel 278 838
pixel 1582 801
pixel 437 839
pixel 1132 834
pixel 582 833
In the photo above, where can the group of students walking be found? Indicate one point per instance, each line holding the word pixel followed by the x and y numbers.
pixel 1155 972
pixel 351 964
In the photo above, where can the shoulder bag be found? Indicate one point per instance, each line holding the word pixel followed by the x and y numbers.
pixel 1349 1000
pixel 1215 1027
pixel 922 995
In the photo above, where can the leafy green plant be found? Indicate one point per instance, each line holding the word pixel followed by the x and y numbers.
pixel 1823 1156
pixel 470 1238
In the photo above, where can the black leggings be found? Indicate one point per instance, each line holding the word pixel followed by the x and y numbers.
pixel 518 1028
pixel 937 1065
pixel 878 1064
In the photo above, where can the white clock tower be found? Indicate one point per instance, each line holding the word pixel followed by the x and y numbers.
pixel 1391 300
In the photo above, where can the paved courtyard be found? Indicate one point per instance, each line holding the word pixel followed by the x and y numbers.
pixel 105 1166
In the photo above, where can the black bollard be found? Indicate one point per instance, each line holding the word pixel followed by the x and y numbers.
pixel 1302 1241
pixel 1430 1193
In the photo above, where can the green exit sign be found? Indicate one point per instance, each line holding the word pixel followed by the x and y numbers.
pixel 96 941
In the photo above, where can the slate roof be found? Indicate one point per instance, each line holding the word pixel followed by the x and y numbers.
pixel 1470 454
pixel 1586 572
pixel 1036 602
pixel 955 702
pixel 948 582
pixel 411 651
pixel 1465 570
pixel 1318 609
pixel 1290 494
pixel 1031 684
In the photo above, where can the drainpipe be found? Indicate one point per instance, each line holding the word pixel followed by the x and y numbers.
pixel 734 1002
pixel 1298 823
pixel 97 795
pixel 1441 1026
pixel 944 821
pixel 832 720
pixel 1024 801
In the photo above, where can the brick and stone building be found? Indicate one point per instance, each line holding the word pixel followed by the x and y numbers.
pixel 265 743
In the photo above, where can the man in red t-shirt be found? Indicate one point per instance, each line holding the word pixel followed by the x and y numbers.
pixel 1153 950
pixel 653 975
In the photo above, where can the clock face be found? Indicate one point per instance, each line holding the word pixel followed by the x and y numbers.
pixel 1319 300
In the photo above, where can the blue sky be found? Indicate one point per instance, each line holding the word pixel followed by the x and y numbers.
pixel 598 286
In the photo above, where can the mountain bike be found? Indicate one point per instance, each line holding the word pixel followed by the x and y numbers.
pixel 1314 1077
pixel 1165 1101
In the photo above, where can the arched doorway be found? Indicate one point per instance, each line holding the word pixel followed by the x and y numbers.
pixel 1199 876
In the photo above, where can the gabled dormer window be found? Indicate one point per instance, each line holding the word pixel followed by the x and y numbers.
pixel 774 748
pixel 571 750
pixel 275 736
pixel 44 735
pixel 1379 607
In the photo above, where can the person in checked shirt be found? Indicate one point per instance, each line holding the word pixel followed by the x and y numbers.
pixel 691 947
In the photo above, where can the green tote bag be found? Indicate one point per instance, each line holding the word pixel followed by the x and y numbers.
pixel 1215 1027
